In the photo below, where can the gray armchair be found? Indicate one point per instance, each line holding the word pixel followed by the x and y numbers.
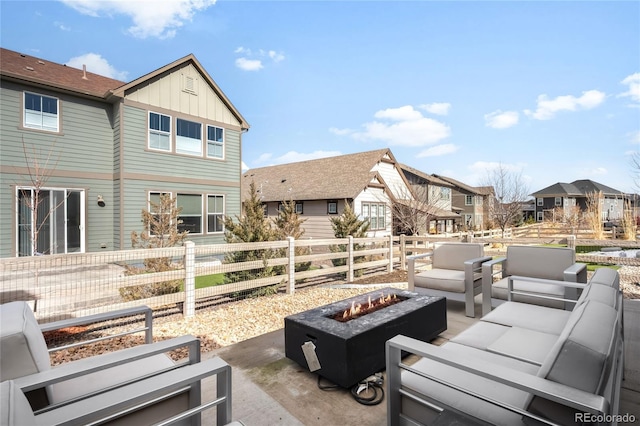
pixel 550 263
pixel 455 272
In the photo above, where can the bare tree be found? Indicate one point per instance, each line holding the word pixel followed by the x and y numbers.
pixel 593 214
pixel 413 211
pixel 40 166
pixel 510 192
pixel 628 221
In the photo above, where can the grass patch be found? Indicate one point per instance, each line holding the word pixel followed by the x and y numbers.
pixel 209 280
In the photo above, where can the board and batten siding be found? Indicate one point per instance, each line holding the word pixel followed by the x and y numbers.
pixel 170 92
pixel 375 195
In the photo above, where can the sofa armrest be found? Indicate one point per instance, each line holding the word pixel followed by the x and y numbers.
pixel 487 281
pixel 411 268
pixel 553 391
pixel 92 364
pixel 471 267
pixel 134 396
pixel 101 317
pixel 568 286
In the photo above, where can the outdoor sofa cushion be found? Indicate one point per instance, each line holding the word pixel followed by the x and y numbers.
pixel 447 267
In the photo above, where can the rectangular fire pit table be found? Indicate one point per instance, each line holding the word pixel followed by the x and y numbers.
pixel 349 352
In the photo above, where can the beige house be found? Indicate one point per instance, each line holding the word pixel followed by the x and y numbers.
pixel 472 202
pixel 369 181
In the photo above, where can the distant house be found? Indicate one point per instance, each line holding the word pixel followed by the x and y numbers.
pixel 436 193
pixel 471 202
pixel 568 195
pixel 113 147
pixel 369 181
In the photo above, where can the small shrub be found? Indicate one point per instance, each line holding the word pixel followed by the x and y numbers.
pixel 144 291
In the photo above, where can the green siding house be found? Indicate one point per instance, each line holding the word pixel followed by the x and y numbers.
pixel 81 155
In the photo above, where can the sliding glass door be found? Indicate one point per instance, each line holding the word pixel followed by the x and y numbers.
pixel 49 221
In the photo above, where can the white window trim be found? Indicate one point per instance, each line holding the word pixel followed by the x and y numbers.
pixel 466 200
pixel 186 139
pixel 222 144
pixel 159 132
pixel 224 207
pixel 191 215
pixel 41 126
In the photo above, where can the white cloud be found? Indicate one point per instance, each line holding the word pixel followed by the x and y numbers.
pixel 597 171
pixel 253 61
pixel 97 65
pixel 61 26
pixel 151 18
pixel 403 126
pixel 340 132
pixel 547 108
pixel 438 108
pixel 249 64
pixel 438 150
pixel 633 81
pixel 501 119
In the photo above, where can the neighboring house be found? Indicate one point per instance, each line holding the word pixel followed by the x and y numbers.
pixel 436 194
pixel 369 181
pixel 111 147
pixel 472 202
pixel 568 195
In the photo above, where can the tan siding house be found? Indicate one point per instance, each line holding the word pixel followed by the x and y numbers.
pixel 321 188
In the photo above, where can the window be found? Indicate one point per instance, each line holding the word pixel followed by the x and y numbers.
pixel 468 200
pixel 215 143
pixel 299 207
pixel 467 220
pixel 478 200
pixel 376 215
pixel 58 218
pixel 188 137
pixel 540 216
pixel 40 112
pixel 558 201
pixel 332 207
pixel 445 193
pixel 159 131
pixel 191 214
pixel 215 213
pixel 540 201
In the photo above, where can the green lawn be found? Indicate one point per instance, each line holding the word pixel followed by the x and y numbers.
pixel 209 280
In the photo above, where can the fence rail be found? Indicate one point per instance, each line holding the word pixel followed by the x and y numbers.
pixel 64 286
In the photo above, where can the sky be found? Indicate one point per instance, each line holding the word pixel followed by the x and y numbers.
pixel 547 90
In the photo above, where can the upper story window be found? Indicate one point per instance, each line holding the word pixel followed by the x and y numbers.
pixel 375 213
pixel 478 200
pixel 332 207
pixel 445 193
pixel 159 131
pixel 41 112
pixel 468 200
pixel 540 202
pixel 215 142
pixel 558 201
pixel 188 137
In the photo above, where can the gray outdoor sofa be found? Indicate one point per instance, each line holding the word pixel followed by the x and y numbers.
pixel 140 385
pixel 520 365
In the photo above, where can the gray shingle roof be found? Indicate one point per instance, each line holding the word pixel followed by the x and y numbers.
pixel 577 188
pixel 338 178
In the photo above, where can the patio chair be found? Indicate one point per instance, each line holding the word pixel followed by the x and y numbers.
pixel 24 358
pixel 551 263
pixel 455 273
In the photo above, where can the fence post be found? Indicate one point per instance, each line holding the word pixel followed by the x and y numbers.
pixel 189 308
pixel 571 241
pixel 390 253
pixel 291 266
pixel 350 260
pixel 403 252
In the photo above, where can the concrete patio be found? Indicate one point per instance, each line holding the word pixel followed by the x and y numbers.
pixel 269 389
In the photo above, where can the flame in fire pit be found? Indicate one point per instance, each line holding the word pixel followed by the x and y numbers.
pixel 360 309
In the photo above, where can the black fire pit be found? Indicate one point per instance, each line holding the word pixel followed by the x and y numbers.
pixel 348 352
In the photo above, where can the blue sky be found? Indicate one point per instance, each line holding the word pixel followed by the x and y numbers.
pixel 550 90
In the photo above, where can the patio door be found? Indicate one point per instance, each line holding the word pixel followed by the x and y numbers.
pixel 49 221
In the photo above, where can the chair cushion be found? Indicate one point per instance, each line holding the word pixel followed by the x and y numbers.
pixel 453 255
pixel 441 279
pixel 539 262
pixel 14 407
pixel 606 276
pixel 23 350
pixel 499 291
pixel 533 317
